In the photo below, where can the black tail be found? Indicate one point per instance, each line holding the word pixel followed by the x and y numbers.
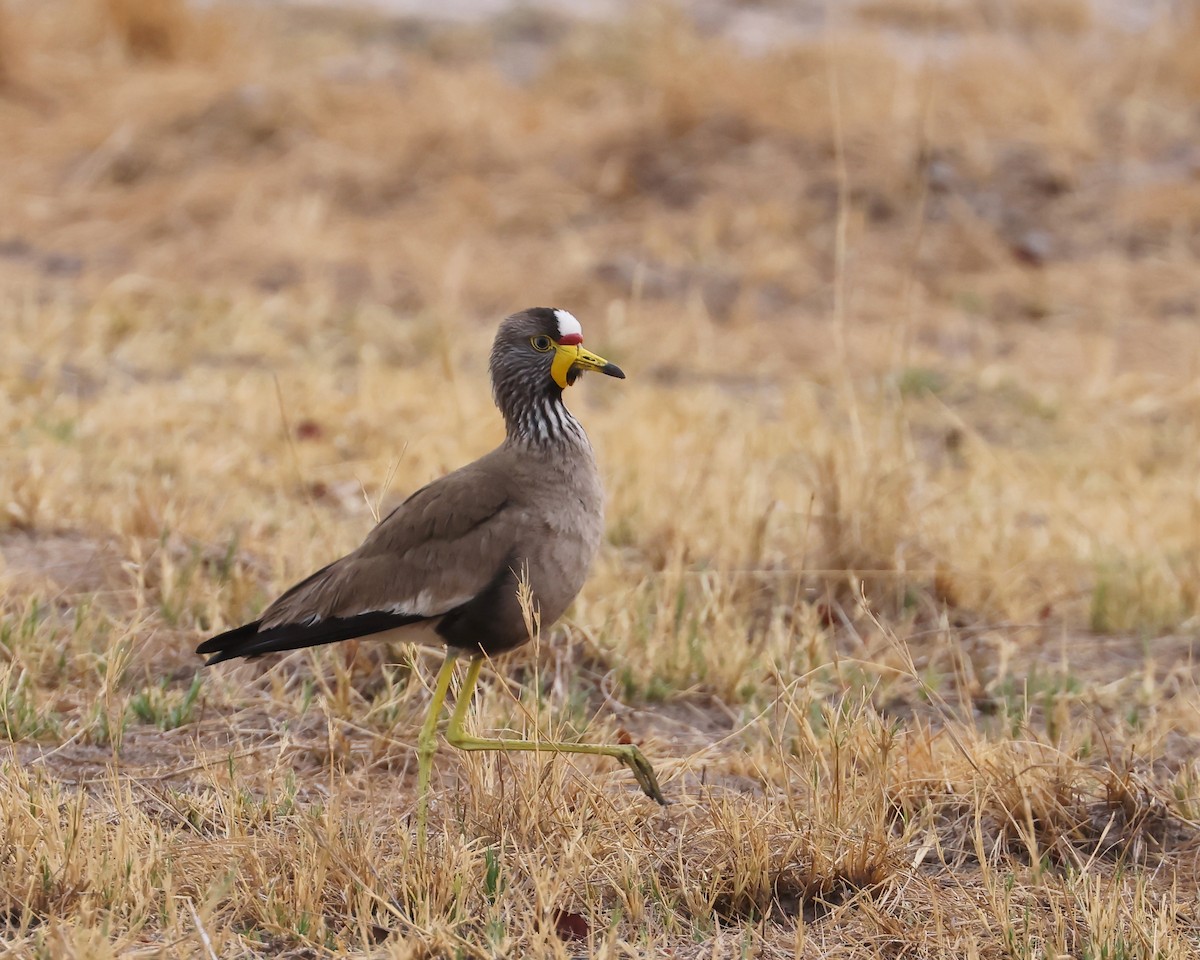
pixel 230 644
pixel 250 641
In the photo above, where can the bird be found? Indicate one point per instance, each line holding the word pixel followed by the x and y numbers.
pixel 447 564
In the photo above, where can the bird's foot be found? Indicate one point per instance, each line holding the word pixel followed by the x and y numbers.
pixel 643 773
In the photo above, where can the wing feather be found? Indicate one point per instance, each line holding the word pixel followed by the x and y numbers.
pixel 434 552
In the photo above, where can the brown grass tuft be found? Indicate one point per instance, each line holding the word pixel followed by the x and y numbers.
pixel 8 49
pixel 149 29
pixel 162 30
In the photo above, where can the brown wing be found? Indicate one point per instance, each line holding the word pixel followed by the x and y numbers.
pixel 435 551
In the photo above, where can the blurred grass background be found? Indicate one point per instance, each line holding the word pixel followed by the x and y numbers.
pixel 903 569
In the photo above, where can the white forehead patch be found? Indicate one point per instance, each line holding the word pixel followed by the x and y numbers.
pixel 567 324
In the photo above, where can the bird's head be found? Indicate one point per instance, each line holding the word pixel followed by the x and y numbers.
pixel 543 346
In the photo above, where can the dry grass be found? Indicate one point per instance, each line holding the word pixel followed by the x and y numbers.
pixel 902 582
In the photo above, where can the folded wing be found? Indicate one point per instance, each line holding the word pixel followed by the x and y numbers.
pixel 434 553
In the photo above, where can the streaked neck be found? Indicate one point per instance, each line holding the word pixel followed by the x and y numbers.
pixel 544 421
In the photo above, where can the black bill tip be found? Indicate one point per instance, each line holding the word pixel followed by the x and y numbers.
pixel 612 370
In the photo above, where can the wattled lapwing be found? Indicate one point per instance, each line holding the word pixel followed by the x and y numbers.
pixel 446 565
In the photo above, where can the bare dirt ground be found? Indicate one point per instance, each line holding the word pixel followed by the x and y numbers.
pixel 901 586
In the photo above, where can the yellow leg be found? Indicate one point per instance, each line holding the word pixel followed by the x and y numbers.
pixel 427 743
pixel 628 754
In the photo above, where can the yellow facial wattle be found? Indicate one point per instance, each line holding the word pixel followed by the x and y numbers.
pixel 569 356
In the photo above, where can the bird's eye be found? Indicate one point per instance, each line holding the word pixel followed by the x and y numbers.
pixel 542 344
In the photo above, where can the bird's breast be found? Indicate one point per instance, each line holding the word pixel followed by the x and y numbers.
pixel 571 520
